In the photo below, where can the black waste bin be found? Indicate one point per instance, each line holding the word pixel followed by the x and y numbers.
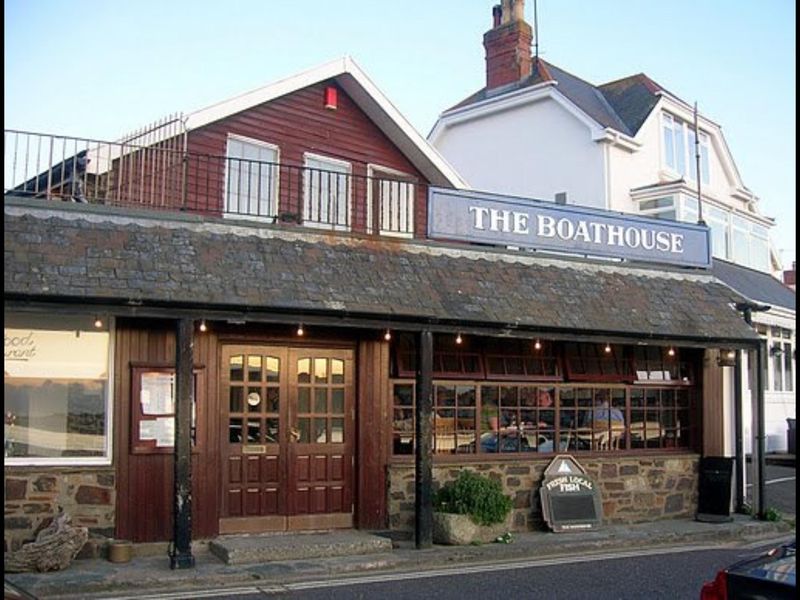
pixel 790 433
pixel 714 501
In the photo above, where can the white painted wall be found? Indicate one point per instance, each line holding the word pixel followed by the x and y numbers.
pixel 630 170
pixel 535 150
pixel 778 406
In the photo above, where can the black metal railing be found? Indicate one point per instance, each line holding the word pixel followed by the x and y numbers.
pixel 157 172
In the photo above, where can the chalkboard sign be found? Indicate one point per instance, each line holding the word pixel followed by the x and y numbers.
pixel 570 498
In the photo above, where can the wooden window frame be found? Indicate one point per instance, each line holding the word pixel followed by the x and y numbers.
pixel 405 360
pixel 690 437
pixel 621 365
pixel 660 364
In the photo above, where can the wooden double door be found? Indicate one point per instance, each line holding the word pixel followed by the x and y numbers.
pixel 288 431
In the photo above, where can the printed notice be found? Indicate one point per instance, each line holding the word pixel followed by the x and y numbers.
pixel 164 431
pixel 147 430
pixel 158 394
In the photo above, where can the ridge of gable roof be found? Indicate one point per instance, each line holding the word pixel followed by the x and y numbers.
pixel 622 105
pixel 364 93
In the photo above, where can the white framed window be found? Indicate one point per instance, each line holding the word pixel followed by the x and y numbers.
pixel 251 178
pixel 703 155
pixel 674 150
pixel 679 149
pixel 781 359
pixel 740 240
pixel 390 198
pixel 759 247
pixel 659 208
pixel 58 396
pixel 327 191
pixel 717 220
pixel 688 210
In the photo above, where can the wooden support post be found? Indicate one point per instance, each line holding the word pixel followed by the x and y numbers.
pixel 181 552
pixel 423 465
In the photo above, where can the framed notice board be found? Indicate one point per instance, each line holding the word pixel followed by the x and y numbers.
pixel 153 410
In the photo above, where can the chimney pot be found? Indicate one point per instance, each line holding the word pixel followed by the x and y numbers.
pixel 518 10
pixel 506 12
pixel 497 11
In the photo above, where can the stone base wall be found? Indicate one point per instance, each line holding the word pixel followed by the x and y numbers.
pixel 33 497
pixel 632 489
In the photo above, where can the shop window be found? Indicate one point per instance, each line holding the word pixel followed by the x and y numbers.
pixel 452 365
pixel 539 366
pixel 57 393
pixel 660 418
pixel 403 424
pixel 595 362
pixel 653 364
pixel 454 426
pixel 505 418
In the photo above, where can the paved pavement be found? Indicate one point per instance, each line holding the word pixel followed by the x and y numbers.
pixel 97 578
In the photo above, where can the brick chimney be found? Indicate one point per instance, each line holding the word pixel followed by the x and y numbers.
pixel 508 45
pixel 789 277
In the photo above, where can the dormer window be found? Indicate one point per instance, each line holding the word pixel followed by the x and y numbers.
pixel 679 149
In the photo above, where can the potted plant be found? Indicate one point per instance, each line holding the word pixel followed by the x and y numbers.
pixel 470 509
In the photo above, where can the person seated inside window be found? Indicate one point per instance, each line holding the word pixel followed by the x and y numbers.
pixel 605 413
pixel 546 421
pixel 498 434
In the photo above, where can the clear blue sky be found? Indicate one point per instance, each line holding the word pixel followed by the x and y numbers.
pixel 100 68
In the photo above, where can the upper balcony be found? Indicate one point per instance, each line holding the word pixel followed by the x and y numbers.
pixel 157 172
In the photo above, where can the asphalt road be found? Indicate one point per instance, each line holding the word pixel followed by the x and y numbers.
pixel 780 489
pixel 671 574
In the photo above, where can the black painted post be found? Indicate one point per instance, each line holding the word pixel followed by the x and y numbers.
pixel 761 468
pixel 738 437
pixel 181 553
pixel 423 465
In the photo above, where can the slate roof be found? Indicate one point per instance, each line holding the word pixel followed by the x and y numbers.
pixel 622 105
pixel 74 254
pixel 755 285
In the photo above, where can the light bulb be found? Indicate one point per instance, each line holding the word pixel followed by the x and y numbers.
pixel 537 345
pixel 98 322
pixel 203 326
pixel 388 335
pixel 300 330
pixel 458 339
pixel 671 351
pixel 607 349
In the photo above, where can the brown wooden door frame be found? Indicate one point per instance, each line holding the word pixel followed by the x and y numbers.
pixel 245 469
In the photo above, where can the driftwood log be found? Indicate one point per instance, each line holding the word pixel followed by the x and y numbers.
pixel 54 548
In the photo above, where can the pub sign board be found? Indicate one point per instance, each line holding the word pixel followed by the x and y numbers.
pixel 570 498
pixel 466 216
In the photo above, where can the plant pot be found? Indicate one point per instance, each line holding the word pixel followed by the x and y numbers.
pixel 120 551
pixel 460 530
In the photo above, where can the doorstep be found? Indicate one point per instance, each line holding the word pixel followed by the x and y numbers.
pixel 261 548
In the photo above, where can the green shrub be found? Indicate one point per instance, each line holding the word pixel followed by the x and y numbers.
pixel 475 495
pixel 772 514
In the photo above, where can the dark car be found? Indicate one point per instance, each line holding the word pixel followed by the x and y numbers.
pixel 770 576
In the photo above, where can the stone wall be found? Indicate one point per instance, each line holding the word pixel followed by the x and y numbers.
pixel 632 489
pixel 33 497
